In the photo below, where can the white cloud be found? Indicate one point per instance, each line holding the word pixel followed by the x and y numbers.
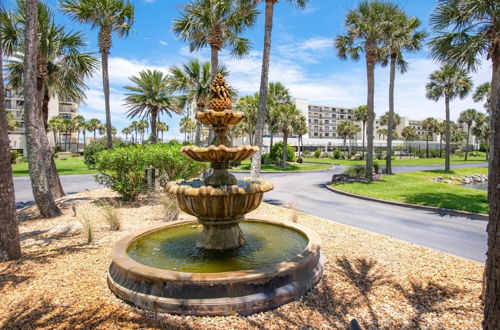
pixel 164 43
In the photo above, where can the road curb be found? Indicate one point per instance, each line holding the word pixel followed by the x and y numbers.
pixel 441 210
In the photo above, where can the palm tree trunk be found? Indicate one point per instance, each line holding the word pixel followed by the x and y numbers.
pixel 39 157
pixel 370 72
pixel 467 142
pixel 285 141
pixel 363 153
pixel 427 146
pixel 264 80
pixel 94 134
pixel 10 247
pixel 272 142
pixel 440 145
pixel 154 132
pixel 84 139
pixel 390 121
pixel 105 88
pixel 447 146
pixel 492 268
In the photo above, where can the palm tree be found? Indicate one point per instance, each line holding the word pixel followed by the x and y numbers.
pixel 39 155
pixel 193 80
pixel 264 79
pixel 149 97
pixel 300 130
pixel 366 30
pixel 288 118
pixel 448 82
pixel 84 128
pixel 134 127
pixel 344 131
pixel 67 128
pixel 429 124
pixel 482 131
pixel 218 24
pixel 109 16
pixel 441 130
pixel 126 131
pixel 161 127
pixel 10 247
pixel 12 124
pixel 249 105
pixel 468 117
pixel 142 126
pixel 382 133
pixel 93 125
pixel 78 126
pixel 186 126
pixel 483 94
pixel 361 114
pixel 401 37
pixel 278 95
pixel 409 133
pixel 55 125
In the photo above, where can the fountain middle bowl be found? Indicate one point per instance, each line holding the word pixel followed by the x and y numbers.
pixel 273 270
pixel 219 203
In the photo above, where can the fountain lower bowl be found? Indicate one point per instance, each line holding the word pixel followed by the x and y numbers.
pixel 229 285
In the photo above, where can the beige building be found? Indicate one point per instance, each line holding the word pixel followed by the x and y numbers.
pixel 14 104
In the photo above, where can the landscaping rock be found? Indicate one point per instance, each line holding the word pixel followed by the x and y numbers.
pixel 345 178
pixel 70 229
pixel 36 242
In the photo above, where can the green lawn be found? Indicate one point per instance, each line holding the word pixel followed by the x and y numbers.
pixel 417 188
pixel 66 166
pixel 406 161
pixel 245 166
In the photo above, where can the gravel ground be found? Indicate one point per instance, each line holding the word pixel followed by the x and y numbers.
pixel 380 281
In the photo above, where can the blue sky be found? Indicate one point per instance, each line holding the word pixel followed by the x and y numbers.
pixel 303 58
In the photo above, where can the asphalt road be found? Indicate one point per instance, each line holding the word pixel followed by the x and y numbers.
pixel 456 235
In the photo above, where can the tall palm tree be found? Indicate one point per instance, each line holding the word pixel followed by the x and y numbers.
pixel 483 94
pixel 39 155
pixel 361 114
pixel 150 97
pixel 218 24
pixel 161 127
pixel 468 117
pixel 10 247
pixel 466 32
pixel 109 16
pixel 249 105
pixel 482 131
pixel 448 82
pixel 300 130
pixel 367 28
pixel 402 36
pixel 84 128
pixel 93 125
pixel 278 95
pixel 193 80
pixel 344 131
pixel 67 128
pixel 441 130
pixel 264 79
pixel 288 118
pixel 429 124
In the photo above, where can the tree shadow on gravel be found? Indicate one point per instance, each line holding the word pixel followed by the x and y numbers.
pixel 46 314
pixel 426 297
pixel 364 276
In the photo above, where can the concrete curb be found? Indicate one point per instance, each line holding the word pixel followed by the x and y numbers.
pixel 440 210
pixel 311 171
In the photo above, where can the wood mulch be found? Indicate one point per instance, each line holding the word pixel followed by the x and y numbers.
pixel 380 281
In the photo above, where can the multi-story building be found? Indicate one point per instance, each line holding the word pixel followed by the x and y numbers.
pixel 406 121
pixel 14 104
pixel 323 120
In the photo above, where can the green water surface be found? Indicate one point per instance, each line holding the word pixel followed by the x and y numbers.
pixel 175 249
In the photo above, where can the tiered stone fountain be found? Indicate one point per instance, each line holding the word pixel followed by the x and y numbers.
pixel 211 265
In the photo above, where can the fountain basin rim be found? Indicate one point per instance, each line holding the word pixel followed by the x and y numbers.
pixel 259 186
pixel 122 260
pixel 219 153
pixel 225 118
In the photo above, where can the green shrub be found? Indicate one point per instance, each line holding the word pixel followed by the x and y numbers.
pixel 123 169
pixel 317 153
pixel 306 153
pixel 277 153
pixel 95 147
pixel 14 155
pixel 359 170
pixel 337 154
pixel 300 160
pixel 483 147
pixel 234 164
pixel 265 158
pixel 325 155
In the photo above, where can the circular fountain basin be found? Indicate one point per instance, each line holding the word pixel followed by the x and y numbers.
pixel 161 269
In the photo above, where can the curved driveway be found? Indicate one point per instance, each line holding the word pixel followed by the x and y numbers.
pixel 456 235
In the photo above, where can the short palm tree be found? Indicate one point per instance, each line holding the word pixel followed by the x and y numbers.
pixel 55 126
pixel 288 118
pixel 218 24
pixel 193 80
pixel 468 117
pixel 441 130
pixel 361 114
pixel 382 133
pixel 12 124
pixel 448 82
pixel 483 94
pixel 187 126
pixel 162 127
pixel 278 95
pixel 300 130
pixel 264 80
pixel 149 97
pixel 93 125
pixel 133 126
pixel 403 36
pixel 78 126
pixel 109 17
pixel 127 131
pixel 429 124
pixel 249 105
pixel 409 133
pixel 344 131
pixel 367 27
pixel 142 126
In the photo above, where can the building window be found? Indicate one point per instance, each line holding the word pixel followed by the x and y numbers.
pixel 327 122
pixel 7 93
pixel 315 121
pixel 315 134
pixel 19 103
pixel 327 134
pixel 8 105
